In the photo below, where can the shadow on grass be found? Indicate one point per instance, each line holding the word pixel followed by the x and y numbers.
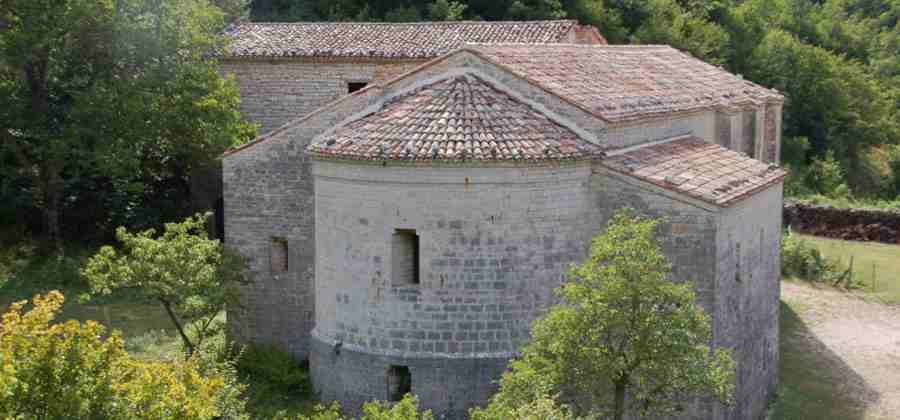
pixel 814 382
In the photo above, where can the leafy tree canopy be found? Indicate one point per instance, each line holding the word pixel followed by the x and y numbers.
pixel 120 97
pixel 624 339
pixel 191 276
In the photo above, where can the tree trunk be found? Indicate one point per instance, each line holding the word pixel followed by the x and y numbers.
pixel 619 407
pixel 184 337
pixel 52 197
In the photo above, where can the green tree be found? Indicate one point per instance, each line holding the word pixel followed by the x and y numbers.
pixel 68 370
pixel 190 275
pixel 830 100
pixel 118 93
pixel 669 23
pixel 444 10
pixel 623 339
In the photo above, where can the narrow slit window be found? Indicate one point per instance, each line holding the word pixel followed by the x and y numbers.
pixel 399 382
pixel 405 257
pixel 278 255
pixel 354 86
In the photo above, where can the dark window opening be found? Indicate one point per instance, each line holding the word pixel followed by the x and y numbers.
pixel 220 219
pixel 278 256
pixel 354 86
pixel 399 382
pixel 405 248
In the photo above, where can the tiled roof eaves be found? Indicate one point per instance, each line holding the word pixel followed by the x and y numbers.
pixel 323 59
pixel 667 163
pixel 724 203
pixel 454 162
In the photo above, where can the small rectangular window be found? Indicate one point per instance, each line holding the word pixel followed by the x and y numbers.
pixel 405 259
pixel 278 255
pixel 354 86
pixel 399 382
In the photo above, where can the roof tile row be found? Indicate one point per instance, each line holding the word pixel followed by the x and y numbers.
pixel 455 119
pixel 699 169
pixel 384 40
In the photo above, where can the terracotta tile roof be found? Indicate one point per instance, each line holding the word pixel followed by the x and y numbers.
pixel 386 40
pixel 621 82
pixel 461 118
pixel 694 167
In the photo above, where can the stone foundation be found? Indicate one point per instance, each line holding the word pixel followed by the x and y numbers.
pixel 447 386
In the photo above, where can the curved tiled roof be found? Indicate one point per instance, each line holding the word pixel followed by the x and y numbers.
pixel 623 82
pixel 461 118
pixel 387 40
pixel 696 168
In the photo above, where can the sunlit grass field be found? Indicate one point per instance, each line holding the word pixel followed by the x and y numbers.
pixel 875 265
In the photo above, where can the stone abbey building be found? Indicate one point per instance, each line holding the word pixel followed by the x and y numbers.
pixel 404 236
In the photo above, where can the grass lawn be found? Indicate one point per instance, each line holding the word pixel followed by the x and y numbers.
pixel 876 265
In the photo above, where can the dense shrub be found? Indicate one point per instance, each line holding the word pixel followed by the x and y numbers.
pixel 405 409
pixel 800 259
pixel 274 367
pixel 543 408
pixel 69 370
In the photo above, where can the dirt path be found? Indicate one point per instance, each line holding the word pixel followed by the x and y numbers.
pixel 863 334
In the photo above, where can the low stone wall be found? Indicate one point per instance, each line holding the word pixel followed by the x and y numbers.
pixel 848 224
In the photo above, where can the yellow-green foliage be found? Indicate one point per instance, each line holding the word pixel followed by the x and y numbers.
pixel 405 409
pixel 542 408
pixel 72 370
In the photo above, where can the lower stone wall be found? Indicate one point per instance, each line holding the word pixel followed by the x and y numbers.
pixel 848 224
pixel 448 387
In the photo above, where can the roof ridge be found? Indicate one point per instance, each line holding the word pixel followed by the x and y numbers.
pixel 421 23
pixel 570 44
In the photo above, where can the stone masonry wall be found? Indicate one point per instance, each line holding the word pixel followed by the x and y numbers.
pixel 754 131
pixel 701 124
pixel 747 297
pixel 494 243
pixel 453 384
pixel 276 91
pixel 687 234
pixel 268 193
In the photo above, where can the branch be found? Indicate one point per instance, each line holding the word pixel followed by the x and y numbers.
pixel 202 329
pixel 184 337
